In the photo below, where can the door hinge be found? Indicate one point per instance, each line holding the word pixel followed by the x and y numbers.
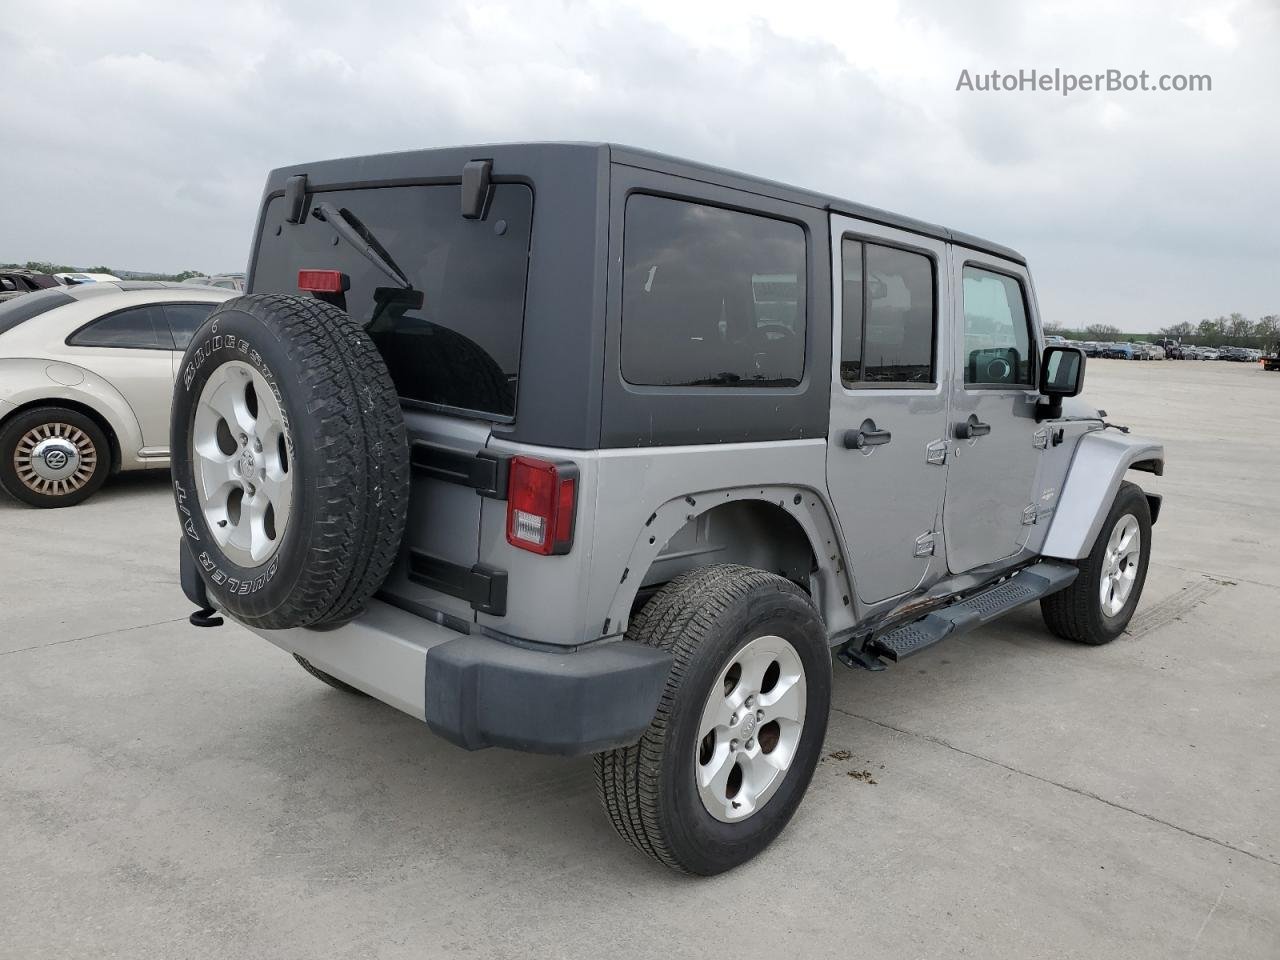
pixel 1040 439
pixel 1030 513
pixel 925 544
pixel 936 452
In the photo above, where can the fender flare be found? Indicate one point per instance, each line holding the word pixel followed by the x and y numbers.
pixel 807 506
pixel 28 383
pixel 1093 479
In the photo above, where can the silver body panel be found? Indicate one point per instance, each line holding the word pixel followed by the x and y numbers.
pixel 889 496
pixel 383 653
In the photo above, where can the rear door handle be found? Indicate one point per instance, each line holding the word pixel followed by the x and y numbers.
pixel 972 428
pixel 866 436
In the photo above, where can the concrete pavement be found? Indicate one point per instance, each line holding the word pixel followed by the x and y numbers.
pixel 172 792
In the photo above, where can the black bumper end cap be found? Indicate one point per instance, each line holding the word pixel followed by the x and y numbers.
pixel 482 692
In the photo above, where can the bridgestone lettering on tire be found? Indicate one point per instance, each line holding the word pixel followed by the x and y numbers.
pixel 328 441
pixel 652 791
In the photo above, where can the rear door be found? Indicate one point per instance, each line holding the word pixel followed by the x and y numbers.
pixel 452 348
pixel 990 500
pixel 886 450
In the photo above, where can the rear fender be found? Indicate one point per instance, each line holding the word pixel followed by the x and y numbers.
pixel 1095 475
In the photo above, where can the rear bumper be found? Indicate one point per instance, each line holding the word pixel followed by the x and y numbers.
pixel 478 691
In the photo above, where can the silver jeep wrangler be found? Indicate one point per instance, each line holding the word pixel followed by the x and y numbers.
pixel 575 448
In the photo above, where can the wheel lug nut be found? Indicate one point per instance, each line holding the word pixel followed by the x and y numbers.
pixel 751 743
pixel 759 714
pixel 733 745
pixel 751 700
pixel 243 438
pixel 733 721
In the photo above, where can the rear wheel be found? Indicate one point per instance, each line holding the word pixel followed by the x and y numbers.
pixel 728 757
pixel 1100 602
pixel 53 457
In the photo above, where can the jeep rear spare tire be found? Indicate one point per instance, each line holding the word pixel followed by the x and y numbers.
pixel 290 461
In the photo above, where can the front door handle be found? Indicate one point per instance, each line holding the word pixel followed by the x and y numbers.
pixel 972 428
pixel 866 436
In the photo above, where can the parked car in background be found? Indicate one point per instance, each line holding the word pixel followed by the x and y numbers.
pixel 224 281
pixel 1091 348
pixel 15 282
pixel 1237 354
pixel 1118 351
pixel 1172 348
pixel 86 379
pixel 1053 340
pixel 1209 353
pixel 71 279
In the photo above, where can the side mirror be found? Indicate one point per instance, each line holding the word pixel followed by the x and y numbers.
pixel 1061 375
pixel 1062 371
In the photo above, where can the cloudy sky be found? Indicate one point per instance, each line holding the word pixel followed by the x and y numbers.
pixel 139 134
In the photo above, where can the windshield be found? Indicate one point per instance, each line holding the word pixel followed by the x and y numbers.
pixel 455 344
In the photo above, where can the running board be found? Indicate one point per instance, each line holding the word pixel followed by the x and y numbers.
pixel 1031 583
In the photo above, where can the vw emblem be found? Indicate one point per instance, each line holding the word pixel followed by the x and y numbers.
pixel 55 459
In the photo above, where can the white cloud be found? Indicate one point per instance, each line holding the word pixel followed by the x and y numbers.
pixel 148 128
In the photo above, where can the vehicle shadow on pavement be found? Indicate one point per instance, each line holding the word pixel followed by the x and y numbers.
pixel 121 486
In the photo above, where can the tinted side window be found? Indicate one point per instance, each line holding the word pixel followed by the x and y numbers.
pixel 887 318
pixel 185 319
pixel 711 297
pixel 137 327
pixel 997 338
pixel 7 284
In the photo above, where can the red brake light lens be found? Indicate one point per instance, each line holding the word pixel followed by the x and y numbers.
pixel 323 281
pixel 541 503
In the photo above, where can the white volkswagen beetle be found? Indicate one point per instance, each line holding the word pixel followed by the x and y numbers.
pixel 86 379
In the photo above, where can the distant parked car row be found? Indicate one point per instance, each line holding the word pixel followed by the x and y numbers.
pixel 14 283
pixel 1162 350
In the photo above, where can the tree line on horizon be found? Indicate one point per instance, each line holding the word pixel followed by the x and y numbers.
pixel 1235 330
pixel 41 266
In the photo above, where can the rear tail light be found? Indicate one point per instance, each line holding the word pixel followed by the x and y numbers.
pixel 323 281
pixel 541 502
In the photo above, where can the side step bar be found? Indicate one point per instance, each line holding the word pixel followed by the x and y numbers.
pixel 1032 583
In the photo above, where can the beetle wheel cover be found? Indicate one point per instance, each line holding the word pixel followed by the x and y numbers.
pixel 55 459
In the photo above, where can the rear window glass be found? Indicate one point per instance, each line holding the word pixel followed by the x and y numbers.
pixel 461 348
pixel 137 328
pixel 23 308
pixel 711 297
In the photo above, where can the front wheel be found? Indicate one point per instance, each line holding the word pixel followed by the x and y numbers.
pixel 728 757
pixel 1100 602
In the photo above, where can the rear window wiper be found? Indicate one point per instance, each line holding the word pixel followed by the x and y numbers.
pixel 348 226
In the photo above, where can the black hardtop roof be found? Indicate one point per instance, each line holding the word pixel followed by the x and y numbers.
pixel 401 166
